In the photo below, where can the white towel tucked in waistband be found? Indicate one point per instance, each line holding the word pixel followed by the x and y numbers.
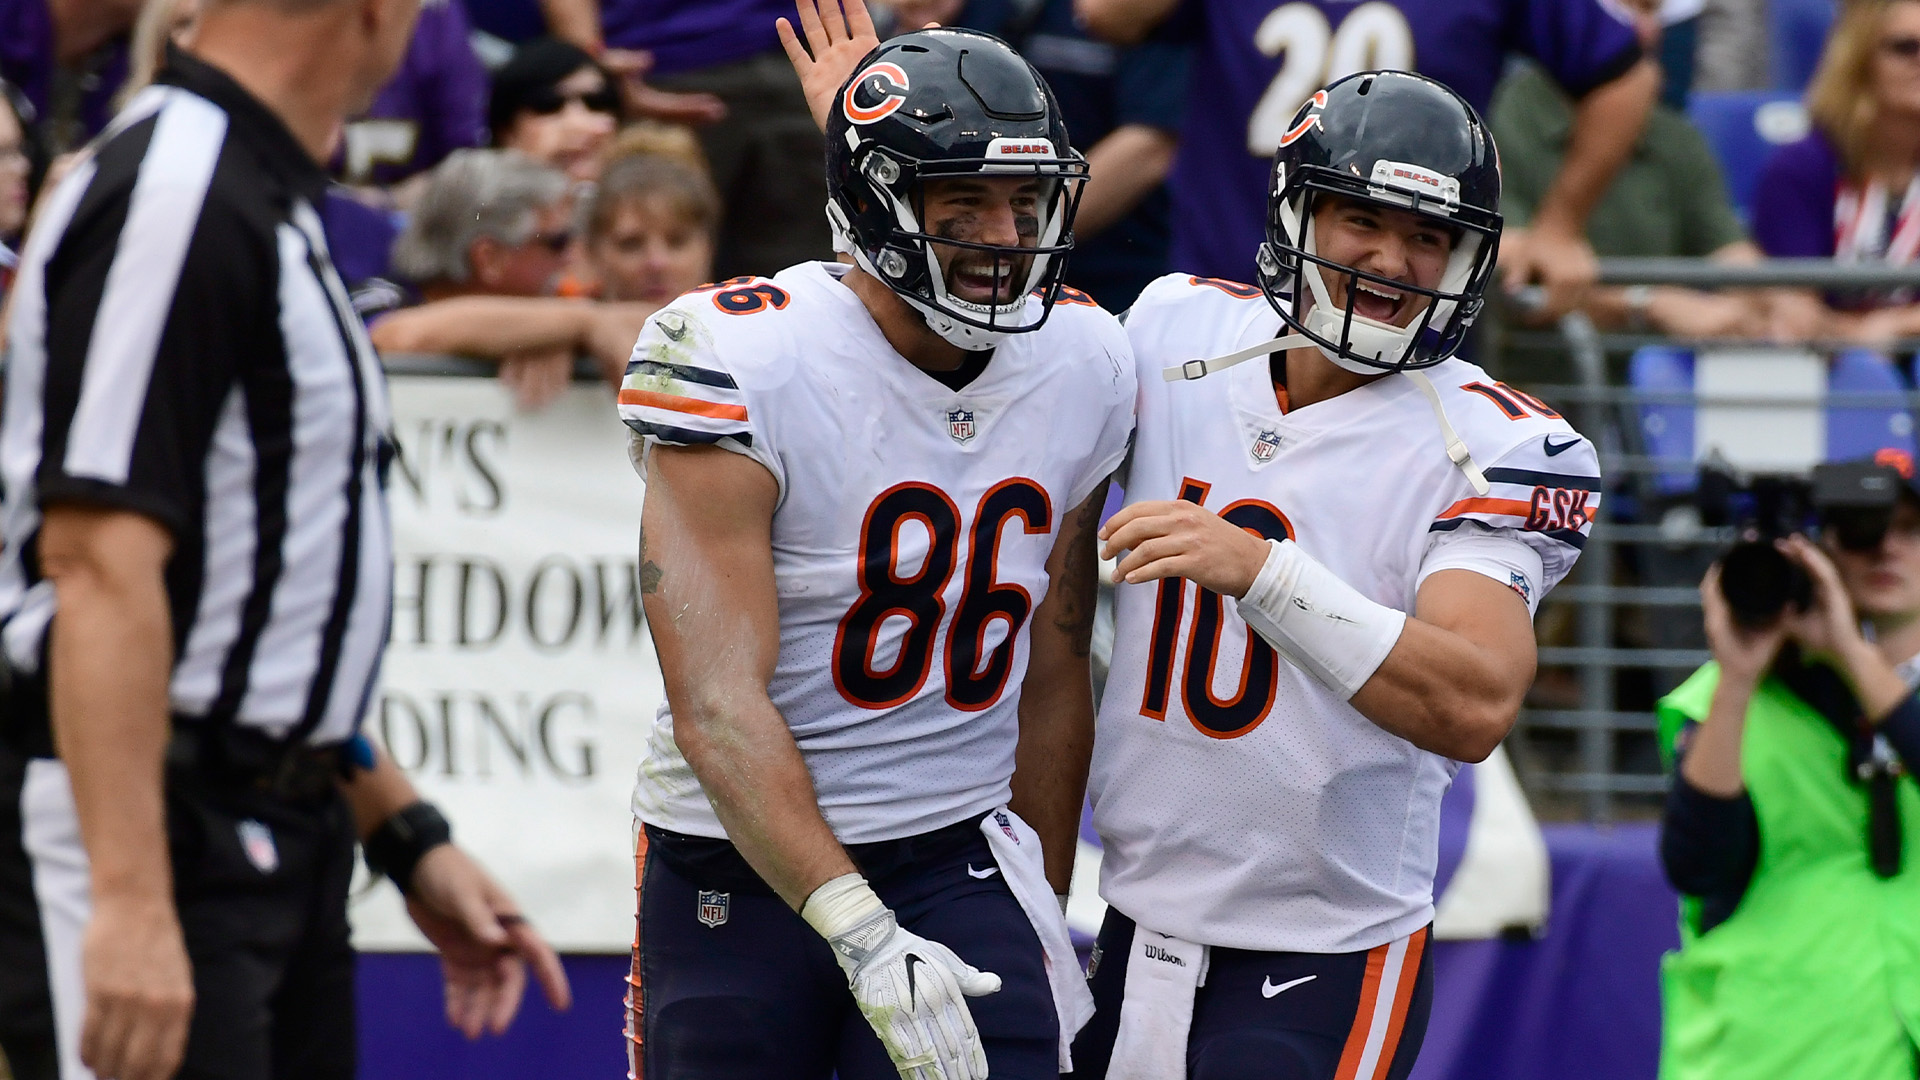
pixel 1017 849
pixel 1163 974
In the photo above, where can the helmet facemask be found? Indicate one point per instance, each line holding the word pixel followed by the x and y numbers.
pixel 908 260
pixel 1290 258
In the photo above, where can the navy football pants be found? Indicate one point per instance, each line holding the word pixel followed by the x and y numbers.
pixel 1280 1016
pixel 758 996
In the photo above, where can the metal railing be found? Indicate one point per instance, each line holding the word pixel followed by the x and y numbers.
pixel 1608 414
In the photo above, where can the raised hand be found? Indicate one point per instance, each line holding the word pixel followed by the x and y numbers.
pixel 839 34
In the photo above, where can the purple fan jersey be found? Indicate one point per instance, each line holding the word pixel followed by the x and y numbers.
pixel 1258 60
pixel 435 104
pixel 687 34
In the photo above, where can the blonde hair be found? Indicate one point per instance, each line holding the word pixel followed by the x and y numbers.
pixel 650 138
pixel 1840 98
pixel 160 21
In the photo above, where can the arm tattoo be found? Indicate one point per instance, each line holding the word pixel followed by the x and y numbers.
pixel 650 572
pixel 1080 587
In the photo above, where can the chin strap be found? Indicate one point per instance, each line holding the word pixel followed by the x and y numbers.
pixel 1456 449
pixel 1200 369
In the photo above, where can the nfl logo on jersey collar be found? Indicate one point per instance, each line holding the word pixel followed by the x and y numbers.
pixel 1264 444
pixel 960 425
pixel 714 907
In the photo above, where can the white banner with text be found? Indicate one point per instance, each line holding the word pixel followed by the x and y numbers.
pixel 521 680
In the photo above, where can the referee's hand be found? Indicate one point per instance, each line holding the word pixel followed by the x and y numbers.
pixel 485 943
pixel 139 989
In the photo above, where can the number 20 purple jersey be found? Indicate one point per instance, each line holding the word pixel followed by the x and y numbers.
pixel 1259 60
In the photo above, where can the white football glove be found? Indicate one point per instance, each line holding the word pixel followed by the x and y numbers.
pixel 913 991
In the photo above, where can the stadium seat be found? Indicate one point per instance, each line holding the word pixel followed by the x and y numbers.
pixel 1744 127
pixel 1858 431
pixel 1666 429
pixel 1798 29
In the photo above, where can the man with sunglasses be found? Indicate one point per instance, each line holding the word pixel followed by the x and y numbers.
pixel 553 103
pixel 868 567
pixel 1793 811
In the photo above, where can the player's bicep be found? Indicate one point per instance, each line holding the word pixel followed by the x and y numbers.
pixel 1490 616
pixel 706 570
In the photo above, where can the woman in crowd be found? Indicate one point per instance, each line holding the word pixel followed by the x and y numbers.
pixel 554 104
pixel 1850 190
pixel 18 163
pixel 1792 821
pixel 650 226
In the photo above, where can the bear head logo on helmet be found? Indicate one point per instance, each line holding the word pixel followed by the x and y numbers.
pixel 1391 142
pixel 931 107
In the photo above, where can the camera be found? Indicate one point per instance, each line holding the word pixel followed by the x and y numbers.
pixel 1853 502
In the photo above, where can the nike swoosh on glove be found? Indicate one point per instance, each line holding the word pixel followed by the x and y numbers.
pixel 911 990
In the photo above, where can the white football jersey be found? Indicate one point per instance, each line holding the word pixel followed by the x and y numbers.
pixel 1240 802
pixel 910 540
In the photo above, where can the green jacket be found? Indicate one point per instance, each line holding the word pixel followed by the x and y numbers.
pixel 1817 971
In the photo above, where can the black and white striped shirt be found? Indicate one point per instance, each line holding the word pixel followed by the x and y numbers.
pixel 180 346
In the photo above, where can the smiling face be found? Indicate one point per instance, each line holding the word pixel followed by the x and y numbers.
pixel 1393 244
pixel 999 210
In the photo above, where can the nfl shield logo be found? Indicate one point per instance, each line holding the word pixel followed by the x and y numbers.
pixel 256 840
pixel 1265 445
pixel 713 907
pixel 1006 826
pixel 960 424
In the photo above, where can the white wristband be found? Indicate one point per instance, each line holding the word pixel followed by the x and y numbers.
pixel 840 905
pixel 1318 622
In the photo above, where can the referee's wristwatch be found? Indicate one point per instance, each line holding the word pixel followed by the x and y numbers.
pixel 397 846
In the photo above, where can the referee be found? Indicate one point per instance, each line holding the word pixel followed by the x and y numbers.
pixel 196 582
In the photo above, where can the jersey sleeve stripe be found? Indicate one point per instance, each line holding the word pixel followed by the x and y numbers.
pixel 1513 507
pixel 694 406
pixel 1532 478
pixel 1569 537
pixel 681 436
pixel 682 372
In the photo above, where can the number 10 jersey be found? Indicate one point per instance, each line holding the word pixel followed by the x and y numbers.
pixel 911 536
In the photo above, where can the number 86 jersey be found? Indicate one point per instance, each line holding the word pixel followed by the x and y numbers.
pixel 1242 803
pixel 911 535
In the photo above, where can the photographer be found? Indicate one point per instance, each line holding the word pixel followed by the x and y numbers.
pixel 1800 949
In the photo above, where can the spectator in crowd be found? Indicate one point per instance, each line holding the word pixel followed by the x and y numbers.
pixel 43 43
pixel 1122 107
pixel 17 168
pixel 479 257
pixel 1667 199
pixel 431 107
pixel 650 224
pixel 1850 190
pixel 1792 798
pixel 722 59
pixel 554 104
pixel 1254 70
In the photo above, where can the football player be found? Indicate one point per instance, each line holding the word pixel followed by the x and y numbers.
pixel 1327 569
pixel 868 566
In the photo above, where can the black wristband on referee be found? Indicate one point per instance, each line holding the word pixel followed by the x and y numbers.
pixel 397 846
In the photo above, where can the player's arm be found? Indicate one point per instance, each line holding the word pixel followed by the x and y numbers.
pixel 1056 698
pixel 706 579
pixel 1448 679
pixel 1455 677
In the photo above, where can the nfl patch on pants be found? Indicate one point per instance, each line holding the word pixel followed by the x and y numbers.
pixel 714 907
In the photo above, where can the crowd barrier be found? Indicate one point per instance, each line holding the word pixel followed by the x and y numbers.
pixel 1758 407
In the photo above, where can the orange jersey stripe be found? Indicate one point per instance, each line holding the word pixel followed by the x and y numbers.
pixel 1363 1018
pixel 1409 978
pixel 695 406
pixel 1464 506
